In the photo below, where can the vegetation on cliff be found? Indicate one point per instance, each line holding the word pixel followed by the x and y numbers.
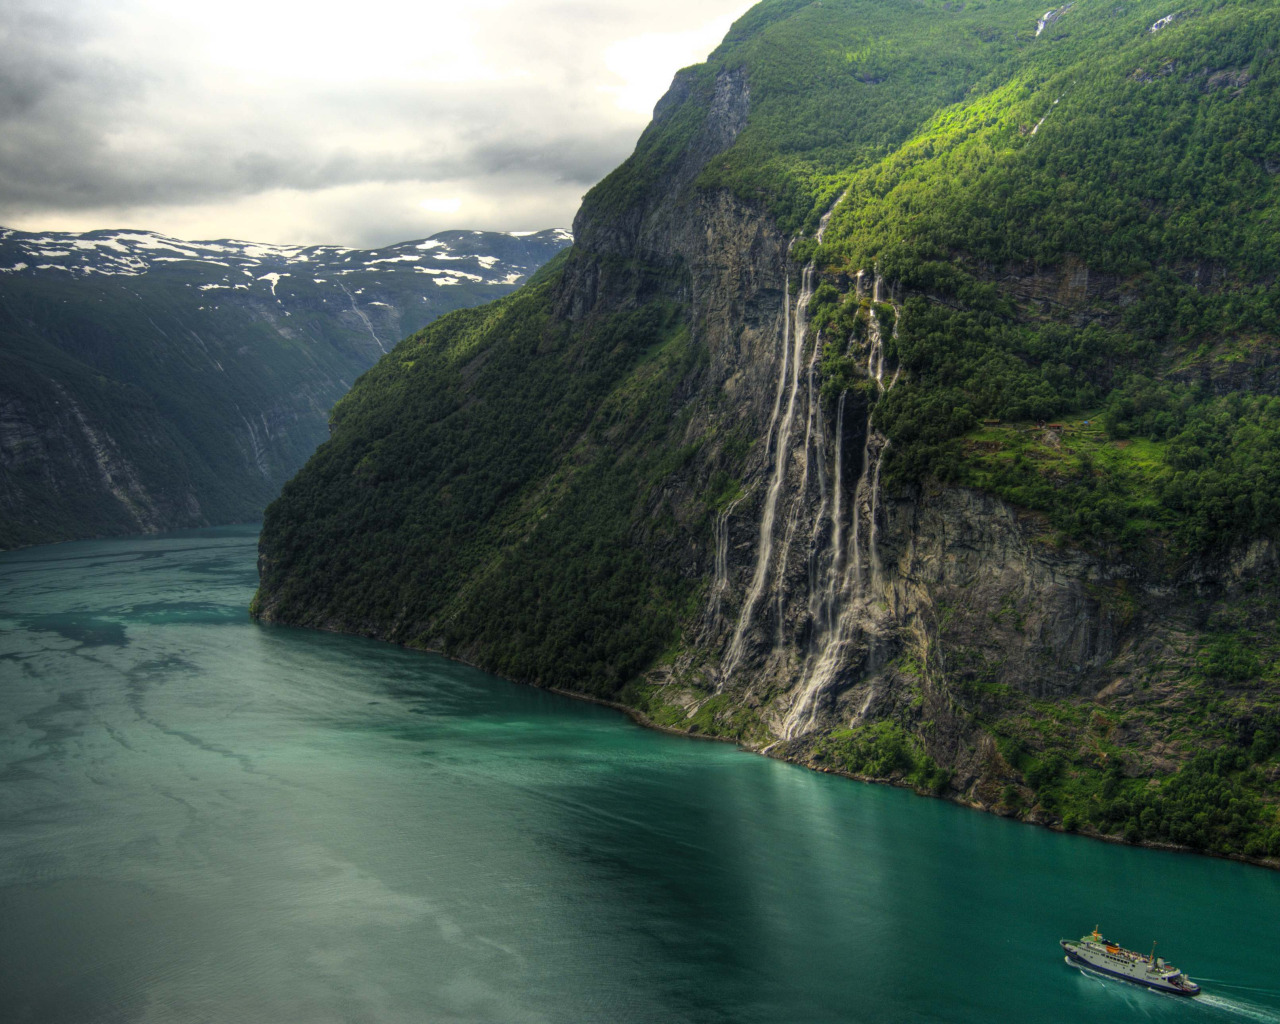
pixel 480 488
pixel 1074 231
pixel 147 383
pixel 1150 161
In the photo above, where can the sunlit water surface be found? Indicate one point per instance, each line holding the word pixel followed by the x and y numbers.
pixel 202 819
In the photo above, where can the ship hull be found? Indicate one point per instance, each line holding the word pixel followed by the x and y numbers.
pixel 1076 959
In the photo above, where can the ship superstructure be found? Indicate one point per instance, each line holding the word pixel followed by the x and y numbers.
pixel 1107 957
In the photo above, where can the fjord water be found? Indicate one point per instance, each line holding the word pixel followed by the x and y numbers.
pixel 203 819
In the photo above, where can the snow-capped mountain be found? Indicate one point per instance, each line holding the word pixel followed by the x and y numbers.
pixel 388 292
pixel 447 258
pixel 149 382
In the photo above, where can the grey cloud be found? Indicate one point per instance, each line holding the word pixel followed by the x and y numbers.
pixel 582 159
pixel 67 167
pixel 90 120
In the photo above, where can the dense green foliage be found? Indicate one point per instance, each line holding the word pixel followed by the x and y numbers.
pixel 1079 234
pixel 833 85
pixel 483 479
pixel 1199 467
pixel 1211 803
pixel 1154 165
pixel 1153 149
pixel 883 750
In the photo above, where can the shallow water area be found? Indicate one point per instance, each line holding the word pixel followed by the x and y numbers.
pixel 203 819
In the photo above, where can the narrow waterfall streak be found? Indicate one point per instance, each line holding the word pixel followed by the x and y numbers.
pixel 826 217
pixel 793 351
pixel 368 324
pixel 817 422
pixel 786 355
pixel 873 533
pixel 873 550
pixel 798 498
pixel 720 534
pixel 875 341
pixel 815 433
pixel 837 517
pixel 851 596
pixel 819 520
pixel 764 548
pixel 866 706
pixel 823 600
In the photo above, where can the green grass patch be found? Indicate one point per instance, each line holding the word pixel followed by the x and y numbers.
pixel 881 750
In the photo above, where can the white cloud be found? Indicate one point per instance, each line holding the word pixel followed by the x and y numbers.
pixel 645 62
pixel 450 205
pixel 317 121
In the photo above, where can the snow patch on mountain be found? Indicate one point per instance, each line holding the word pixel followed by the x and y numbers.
pixel 274 279
pixel 290 278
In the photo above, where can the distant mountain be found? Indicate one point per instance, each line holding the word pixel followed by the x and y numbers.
pixel 150 383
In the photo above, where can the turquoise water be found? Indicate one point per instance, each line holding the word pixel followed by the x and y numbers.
pixel 202 819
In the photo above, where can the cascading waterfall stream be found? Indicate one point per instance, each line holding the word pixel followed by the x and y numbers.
pixel 720 534
pixel 813 413
pixel 795 329
pixel 764 551
pixel 822 595
pixel 847 589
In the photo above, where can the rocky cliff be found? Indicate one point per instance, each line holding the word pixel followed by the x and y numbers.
pixel 786 473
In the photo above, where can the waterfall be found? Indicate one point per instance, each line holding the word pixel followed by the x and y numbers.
pixel 813 414
pixel 844 536
pixel 795 330
pixel 846 589
pixel 873 515
pixel 822 593
pixel 793 339
pixel 720 535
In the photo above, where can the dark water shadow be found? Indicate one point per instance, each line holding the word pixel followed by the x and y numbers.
pixel 86 629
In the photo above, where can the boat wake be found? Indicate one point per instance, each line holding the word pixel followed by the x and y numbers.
pixel 1240 1009
pixel 1219 983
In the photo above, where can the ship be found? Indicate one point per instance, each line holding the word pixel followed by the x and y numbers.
pixel 1095 953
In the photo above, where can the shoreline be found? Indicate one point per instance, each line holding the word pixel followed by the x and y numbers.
pixel 644 721
pixel 137 535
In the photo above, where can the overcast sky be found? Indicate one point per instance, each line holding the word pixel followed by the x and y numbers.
pixel 315 121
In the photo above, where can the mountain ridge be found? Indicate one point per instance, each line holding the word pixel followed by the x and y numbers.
pixel 946 496
pixel 154 383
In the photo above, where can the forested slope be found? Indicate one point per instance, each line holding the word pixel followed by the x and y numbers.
pixel 150 383
pixel 971 484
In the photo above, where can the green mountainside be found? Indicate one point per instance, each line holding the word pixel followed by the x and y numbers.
pixel 152 383
pixel 971 485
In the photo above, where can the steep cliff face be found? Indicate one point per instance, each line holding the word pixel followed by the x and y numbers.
pixel 768 454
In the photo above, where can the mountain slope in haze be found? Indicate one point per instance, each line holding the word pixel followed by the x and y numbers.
pixel 151 383
pixel 907 406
